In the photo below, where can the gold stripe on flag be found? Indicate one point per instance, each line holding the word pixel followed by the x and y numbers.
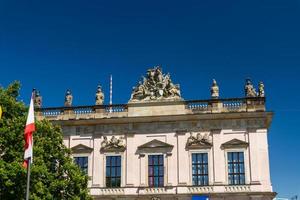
pixel 0 112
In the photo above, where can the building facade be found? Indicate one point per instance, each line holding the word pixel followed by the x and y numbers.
pixel 159 146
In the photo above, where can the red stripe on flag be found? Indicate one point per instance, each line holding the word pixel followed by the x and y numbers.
pixel 29 128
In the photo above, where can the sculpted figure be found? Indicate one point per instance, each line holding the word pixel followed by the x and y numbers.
pixel 214 90
pixel 249 89
pixel 155 86
pixel 68 98
pixel 37 99
pixel 261 89
pixel 191 140
pixel 104 143
pixel 99 96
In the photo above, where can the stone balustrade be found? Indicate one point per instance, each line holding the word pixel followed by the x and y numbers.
pixel 252 104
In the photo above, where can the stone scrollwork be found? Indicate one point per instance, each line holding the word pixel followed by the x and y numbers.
pixel 199 141
pixel 114 144
pixel 155 86
pixel 155 198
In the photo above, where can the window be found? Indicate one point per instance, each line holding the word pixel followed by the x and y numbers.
pixel 82 162
pixel 156 170
pixel 236 168
pixel 200 168
pixel 113 171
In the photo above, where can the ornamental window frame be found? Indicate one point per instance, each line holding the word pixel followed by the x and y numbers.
pixel 123 168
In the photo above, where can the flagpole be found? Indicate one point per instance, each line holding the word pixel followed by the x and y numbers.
pixel 28 177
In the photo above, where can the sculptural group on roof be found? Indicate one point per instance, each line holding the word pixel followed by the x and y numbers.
pixel 155 86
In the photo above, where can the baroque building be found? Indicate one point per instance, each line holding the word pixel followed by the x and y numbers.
pixel 159 146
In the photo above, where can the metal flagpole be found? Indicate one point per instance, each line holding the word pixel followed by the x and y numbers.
pixel 110 94
pixel 28 178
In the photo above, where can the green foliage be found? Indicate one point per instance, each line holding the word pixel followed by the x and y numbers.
pixel 53 173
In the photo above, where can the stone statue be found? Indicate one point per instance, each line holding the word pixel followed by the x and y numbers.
pixel 249 89
pixel 99 96
pixel 214 90
pixel 155 86
pixel 261 89
pixel 68 98
pixel 37 99
pixel 191 140
pixel 104 143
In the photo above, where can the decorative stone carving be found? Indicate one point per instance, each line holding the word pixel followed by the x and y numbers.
pixel 214 90
pixel 249 89
pixel 68 98
pixel 155 86
pixel 201 140
pixel 155 198
pixel 99 96
pixel 261 89
pixel 37 99
pixel 114 144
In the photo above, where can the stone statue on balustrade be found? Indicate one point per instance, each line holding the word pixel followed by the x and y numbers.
pixel 99 96
pixel 68 98
pixel 198 141
pixel 261 89
pixel 155 86
pixel 249 89
pixel 214 90
pixel 114 144
pixel 37 99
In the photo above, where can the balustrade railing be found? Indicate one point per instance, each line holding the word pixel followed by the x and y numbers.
pixel 195 106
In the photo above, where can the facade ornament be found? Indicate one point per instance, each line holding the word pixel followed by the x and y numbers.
pixel 68 98
pixel 201 139
pixel 155 198
pixel 155 86
pixel 249 89
pixel 37 99
pixel 214 90
pixel 99 96
pixel 261 89
pixel 114 144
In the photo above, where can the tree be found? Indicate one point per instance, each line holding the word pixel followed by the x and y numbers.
pixel 53 172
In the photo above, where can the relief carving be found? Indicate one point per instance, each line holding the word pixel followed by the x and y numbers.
pixel 114 144
pixel 201 140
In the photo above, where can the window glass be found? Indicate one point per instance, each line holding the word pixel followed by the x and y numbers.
pixel 113 171
pixel 156 170
pixel 200 169
pixel 236 169
pixel 82 162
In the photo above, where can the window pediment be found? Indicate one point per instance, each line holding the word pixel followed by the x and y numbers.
pixel 235 143
pixel 200 141
pixel 80 148
pixel 154 144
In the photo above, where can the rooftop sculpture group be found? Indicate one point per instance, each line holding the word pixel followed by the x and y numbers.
pixel 155 86
pixel 250 90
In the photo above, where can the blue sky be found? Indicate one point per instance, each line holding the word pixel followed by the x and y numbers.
pixel 55 45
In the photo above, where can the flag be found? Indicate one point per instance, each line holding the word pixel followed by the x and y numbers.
pixel 29 129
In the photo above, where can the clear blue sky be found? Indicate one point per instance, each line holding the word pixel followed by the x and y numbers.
pixel 55 45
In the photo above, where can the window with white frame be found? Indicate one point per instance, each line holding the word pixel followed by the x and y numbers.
pixel 236 168
pixel 200 169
